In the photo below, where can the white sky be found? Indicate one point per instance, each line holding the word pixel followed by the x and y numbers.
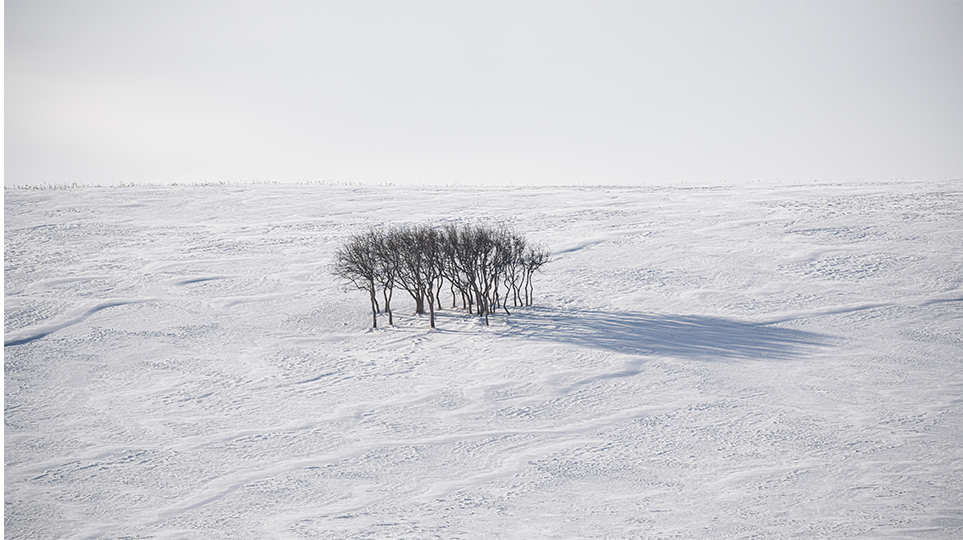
pixel 483 92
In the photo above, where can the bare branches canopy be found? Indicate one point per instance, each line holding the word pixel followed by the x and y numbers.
pixel 485 268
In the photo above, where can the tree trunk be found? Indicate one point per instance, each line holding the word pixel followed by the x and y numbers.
pixel 529 291
pixel 388 294
pixel 374 307
pixel 483 306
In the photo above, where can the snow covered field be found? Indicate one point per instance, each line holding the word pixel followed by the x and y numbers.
pixel 728 362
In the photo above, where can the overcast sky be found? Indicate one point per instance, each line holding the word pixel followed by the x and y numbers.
pixel 474 92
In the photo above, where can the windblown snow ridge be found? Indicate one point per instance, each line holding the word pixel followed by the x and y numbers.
pixel 77 316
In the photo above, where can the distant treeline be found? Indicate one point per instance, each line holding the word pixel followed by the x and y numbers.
pixel 482 266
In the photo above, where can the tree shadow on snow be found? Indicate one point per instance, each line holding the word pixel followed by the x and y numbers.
pixel 682 336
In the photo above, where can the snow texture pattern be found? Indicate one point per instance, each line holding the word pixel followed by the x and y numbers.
pixel 729 362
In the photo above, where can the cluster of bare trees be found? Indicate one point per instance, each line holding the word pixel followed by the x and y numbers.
pixel 484 267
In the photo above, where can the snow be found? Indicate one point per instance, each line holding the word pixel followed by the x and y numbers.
pixel 726 362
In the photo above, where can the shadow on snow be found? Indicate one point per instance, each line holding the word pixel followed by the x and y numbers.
pixel 682 336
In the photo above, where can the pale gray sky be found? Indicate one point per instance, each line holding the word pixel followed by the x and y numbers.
pixel 439 92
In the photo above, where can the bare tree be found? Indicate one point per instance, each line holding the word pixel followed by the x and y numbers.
pixel 356 264
pixel 405 245
pixel 456 266
pixel 387 260
pixel 534 259
pixel 504 263
pixel 514 271
pixel 431 251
